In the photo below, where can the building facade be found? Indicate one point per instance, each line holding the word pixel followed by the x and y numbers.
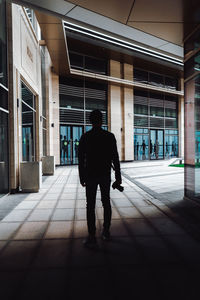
pixel 47 109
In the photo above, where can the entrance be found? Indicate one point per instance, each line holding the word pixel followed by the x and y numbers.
pixel 156 144
pixel 69 142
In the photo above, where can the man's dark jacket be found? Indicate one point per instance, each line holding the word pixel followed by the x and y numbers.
pixel 97 151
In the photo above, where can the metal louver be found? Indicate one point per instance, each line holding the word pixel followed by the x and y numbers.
pixel 71 116
pixel 157 122
pixel 141 121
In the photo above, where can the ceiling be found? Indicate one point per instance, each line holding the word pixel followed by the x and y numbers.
pixel 160 18
pixel 157 24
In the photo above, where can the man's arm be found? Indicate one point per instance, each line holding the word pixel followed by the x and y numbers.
pixel 81 161
pixel 115 160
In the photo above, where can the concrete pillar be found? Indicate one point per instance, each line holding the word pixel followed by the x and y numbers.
pixel 181 121
pixel 114 105
pixel 128 115
pixel 189 138
pixel 54 119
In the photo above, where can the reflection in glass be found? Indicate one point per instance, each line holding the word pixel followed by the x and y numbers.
pixel 141 147
pixel 69 142
pixel 3 43
pixel 156 144
pixel 3 152
pixel 171 146
pixel 28 124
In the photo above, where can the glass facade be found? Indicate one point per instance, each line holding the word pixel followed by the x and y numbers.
pixel 4 113
pixel 155 79
pixel 77 99
pixel 28 124
pixel 88 63
pixel 155 125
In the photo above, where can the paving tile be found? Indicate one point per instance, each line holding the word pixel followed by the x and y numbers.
pixel 63 214
pixel 17 255
pixel 80 229
pixel 81 204
pixel 66 204
pixel 8 229
pixel 187 247
pixel 59 229
pixel 31 230
pixel 166 226
pixel 52 254
pixel 27 204
pixel 34 197
pixel 121 250
pixel 40 215
pixel 118 228
pixel 66 196
pixel 46 204
pixel 129 212
pixel 17 215
pixel 122 202
pixel 80 214
pixel 152 212
pixel 82 256
pixel 49 197
pixel 140 227
pixel 156 250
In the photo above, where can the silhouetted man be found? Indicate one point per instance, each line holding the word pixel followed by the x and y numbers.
pixel 97 151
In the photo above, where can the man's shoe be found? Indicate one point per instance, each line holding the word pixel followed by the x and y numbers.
pixel 105 235
pixel 90 242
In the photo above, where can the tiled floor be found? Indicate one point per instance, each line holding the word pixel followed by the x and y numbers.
pixel 152 253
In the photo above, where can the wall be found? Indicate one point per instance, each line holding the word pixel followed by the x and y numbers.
pixel 26 66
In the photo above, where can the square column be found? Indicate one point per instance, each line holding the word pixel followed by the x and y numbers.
pixel 114 106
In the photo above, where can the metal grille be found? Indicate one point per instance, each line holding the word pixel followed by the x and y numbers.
pixel 71 116
pixel 141 121
pixel 171 123
pixel 156 102
pixel 69 90
pixel 95 94
pixel 157 122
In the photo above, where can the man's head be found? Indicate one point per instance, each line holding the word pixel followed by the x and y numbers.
pixel 96 118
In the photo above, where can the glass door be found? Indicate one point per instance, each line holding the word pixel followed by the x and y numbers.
pixel 69 142
pixel 156 144
pixel 141 147
pixel 77 132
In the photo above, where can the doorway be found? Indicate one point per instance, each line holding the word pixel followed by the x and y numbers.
pixel 69 142
pixel 156 144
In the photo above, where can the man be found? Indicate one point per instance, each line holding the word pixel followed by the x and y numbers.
pixel 97 152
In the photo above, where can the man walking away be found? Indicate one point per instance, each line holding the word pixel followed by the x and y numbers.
pixel 97 152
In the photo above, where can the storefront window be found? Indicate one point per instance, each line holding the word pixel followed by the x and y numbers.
pixel 28 124
pixel 3 152
pixel 3 44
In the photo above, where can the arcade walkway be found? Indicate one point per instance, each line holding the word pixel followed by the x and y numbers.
pixel 154 251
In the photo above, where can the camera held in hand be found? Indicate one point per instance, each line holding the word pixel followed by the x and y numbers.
pixel 117 186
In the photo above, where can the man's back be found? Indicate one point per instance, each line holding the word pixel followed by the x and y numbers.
pixel 97 150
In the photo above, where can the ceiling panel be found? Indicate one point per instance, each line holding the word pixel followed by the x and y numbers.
pixel 115 9
pixel 157 11
pixel 168 32
pixel 58 6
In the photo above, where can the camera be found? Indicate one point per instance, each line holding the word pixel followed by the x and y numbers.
pixel 117 186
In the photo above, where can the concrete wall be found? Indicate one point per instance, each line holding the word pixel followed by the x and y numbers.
pixel 26 66
pixel 120 108
pixel 181 122
pixel 114 102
